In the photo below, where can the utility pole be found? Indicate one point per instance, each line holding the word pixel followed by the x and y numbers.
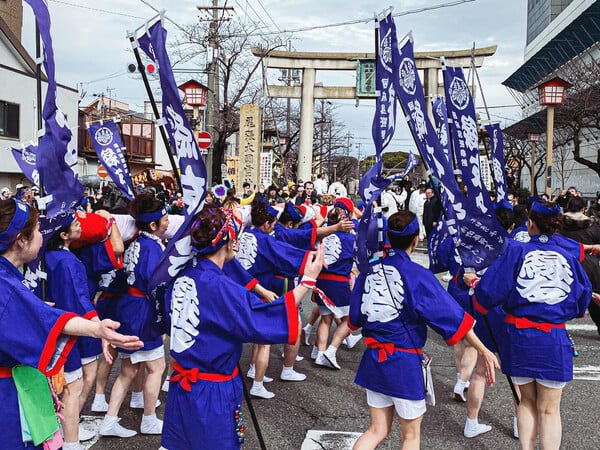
pixel 212 100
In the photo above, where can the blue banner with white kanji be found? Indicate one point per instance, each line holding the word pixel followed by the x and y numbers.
pixel 191 164
pixel 108 144
pixel 497 153
pixel 26 158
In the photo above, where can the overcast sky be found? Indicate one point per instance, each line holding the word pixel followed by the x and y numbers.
pixel 90 42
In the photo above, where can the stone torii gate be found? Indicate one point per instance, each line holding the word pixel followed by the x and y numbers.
pixel 310 62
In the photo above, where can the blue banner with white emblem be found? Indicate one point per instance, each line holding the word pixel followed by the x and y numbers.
pixel 26 158
pixel 56 160
pixel 107 142
pixel 497 152
pixel 191 164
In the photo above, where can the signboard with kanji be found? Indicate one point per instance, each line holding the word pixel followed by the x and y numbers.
pixel 266 168
pixel 250 144
pixel 365 78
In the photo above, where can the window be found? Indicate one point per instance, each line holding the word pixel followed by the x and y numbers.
pixel 9 120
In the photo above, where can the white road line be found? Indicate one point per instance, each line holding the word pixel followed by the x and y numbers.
pixel 320 439
pixel 586 373
pixel 582 327
pixel 91 423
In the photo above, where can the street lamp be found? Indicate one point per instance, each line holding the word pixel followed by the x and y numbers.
pixel 334 172
pixel 551 93
pixel 533 138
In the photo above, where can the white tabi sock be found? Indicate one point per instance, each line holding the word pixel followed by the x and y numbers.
pixel 100 398
pixel 258 385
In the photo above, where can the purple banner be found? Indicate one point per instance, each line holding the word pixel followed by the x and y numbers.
pixel 191 164
pixel 482 238
pixel 440 116
pixel 372 184
pixel 464 133
pixel 497 151
pixel 411 162
pixel 25 158
pixel 107 142
pixel 56 160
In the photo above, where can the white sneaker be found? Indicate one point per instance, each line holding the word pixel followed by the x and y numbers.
pixel 113 428
pixel 136 403
pixel 479 428
pixel 261 392
pixel 289 374
pixel 323 360
pixel 165 385
pixel 85 434
pixel 298 357
pixel 314 353
pixel 459 392
pixel 305 337
pixel 151 425
pixel 352 340
pixel 99 405
pixel 251 374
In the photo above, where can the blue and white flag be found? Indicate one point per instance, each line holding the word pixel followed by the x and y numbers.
pixel 465 137
pixel 107 142
pixel 372 184
pixel 191 164
pixel 482 238
pixel 25 158
pixel 439 236
pixel 497 151
pixel 440 116
pixel 411 162
pixel 56 160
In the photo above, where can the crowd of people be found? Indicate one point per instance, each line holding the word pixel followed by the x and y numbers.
pixel 256 256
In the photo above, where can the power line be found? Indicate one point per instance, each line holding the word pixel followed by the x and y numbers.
pixel 74 5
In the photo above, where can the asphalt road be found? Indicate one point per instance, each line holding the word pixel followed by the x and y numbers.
pixel 329 400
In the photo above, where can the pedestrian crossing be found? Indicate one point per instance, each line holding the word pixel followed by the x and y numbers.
pixel 329 440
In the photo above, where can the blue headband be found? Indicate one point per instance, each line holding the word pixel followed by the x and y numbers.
pixel 291 209
pixel 542 209
pixel 409 230
pixel 15 226
pixel 503 204
pixel 152 216
pixel 228 232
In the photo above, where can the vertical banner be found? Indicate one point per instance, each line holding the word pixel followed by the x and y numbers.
pixel 482 238
pixel 107 142
pixel 191 164
pixel 384 124
pixel 26 158
pixel 56 160
pixel 250 146
pixel 465 136
pixel 266 170
pixel 497 152
pixel 440 116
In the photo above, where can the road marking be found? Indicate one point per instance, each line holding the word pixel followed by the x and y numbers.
pixel 91 423
pixel 582 327
pixel 322 439
pixel 586 373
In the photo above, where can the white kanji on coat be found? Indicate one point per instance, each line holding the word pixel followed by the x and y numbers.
pixel 333 248
pixel 383 294
pixel 545 277
pixel 132 256
pixel 185 314
pixel 107 278
pixel 247 250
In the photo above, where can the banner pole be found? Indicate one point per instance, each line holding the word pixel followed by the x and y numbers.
pixel 157 116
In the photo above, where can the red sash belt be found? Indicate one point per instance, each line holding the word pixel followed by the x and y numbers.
pixel 105 294
pixel 5 372
pixel 135 292
pixel 333 277
pixel 522 322
pixel 187 376
pixel 387 348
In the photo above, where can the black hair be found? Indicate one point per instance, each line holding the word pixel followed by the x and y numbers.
pixel 398 221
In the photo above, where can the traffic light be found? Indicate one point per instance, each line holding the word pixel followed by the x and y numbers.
pixel 150 68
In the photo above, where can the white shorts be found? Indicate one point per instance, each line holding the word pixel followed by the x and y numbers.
pixel 546 383
pixel 73 375
pixel 145 355
pixel 342 311
pixel 406 409
pixel 89 359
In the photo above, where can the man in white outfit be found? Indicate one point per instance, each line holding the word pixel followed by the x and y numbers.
pixel 415 205
pixel 320 185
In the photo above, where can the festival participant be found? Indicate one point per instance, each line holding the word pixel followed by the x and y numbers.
pixel 335 281
pixel 394 304
pixel 211 317
pixel 542 287
pixel 67 287
pixel 273 266
pixel 47 348
pixel 135 311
